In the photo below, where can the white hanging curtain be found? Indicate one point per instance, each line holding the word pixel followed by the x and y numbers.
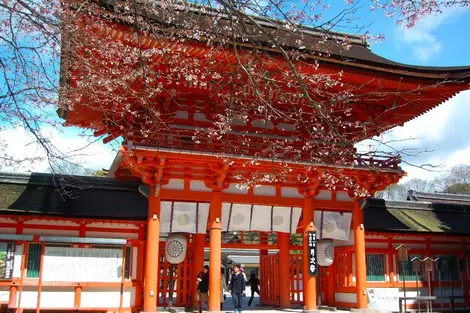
pixel 333 225
pixel 184 217
pixel 242 217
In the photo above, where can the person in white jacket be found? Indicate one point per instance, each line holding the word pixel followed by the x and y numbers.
pixel 244 277
pixel 223 287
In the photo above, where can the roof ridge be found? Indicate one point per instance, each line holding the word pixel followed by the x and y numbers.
pixel 74 181
pixel 268 22
pixel 442 195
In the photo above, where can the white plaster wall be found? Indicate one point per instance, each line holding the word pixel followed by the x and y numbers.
pixel 343 196
pixel 7 220
pixel 376 237
pixel 324 195
pixel 29 298
pixel 51 232
pixel 198 116
pixel 17 261
pixel 198 185
pixel 445 246
pixel 106 298
pixel 290 192
pixel 232 188
pixel 8 230
pixel 113 226
pixel 412 246
pixel 377 245
pixel 4 294
pixel 265 191
pixel 115 235
pixel 174 184
pixel 345 297
pixel 55 298
pixel 50 222
pixel 135 253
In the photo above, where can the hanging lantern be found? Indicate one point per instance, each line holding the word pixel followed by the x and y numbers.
pixel 175 248
pixel 325 252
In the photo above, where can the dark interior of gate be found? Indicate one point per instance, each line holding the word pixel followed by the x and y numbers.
pixel 257 253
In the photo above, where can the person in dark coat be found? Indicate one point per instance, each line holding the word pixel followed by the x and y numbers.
pixel 237 288
pixel 203 286
pixel 254 284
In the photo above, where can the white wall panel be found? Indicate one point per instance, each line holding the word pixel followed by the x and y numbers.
pixel 17 261
pixel 29 299
pixel 113 225
pixel 264 191
pixel 135 254
pixel 106 298
pixel 345 297
pixel 174 184
pixel 343 196
pixel 8 230
pixel 4 294
pixel 323 195
pixel 290 192
pixel 51 222
pixel 114 235
pixel 58 299
pixel 50 232
pixel 198 185
pixel 232 188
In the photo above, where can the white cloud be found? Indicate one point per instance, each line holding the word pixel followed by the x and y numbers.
pixel 421 39
pixel 443 130
pixel 78 149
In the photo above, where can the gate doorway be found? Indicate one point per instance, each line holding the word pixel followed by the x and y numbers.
pixel 269 280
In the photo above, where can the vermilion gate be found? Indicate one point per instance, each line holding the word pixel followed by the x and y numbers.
pixel 182 280
pixel 269 280
pixel 296 279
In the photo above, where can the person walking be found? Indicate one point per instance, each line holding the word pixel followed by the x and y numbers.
pixel 242 271
pixel 254 284
pixel 237 287
pixel 223 288
pixel 203 287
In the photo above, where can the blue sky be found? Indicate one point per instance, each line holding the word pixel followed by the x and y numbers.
pixel 436 41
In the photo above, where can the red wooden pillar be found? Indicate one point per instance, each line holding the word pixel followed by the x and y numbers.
pixel 197 263
pixel 263 239
pixel 139 288
pixel 13 300
pixel 463 271
pixel 78 297
pixel 151 253
pixel 350 268
pixel 391 267
pixel 310 282
pixel 330 286
pixel 360 256
pixel 284 271
pixel 215 257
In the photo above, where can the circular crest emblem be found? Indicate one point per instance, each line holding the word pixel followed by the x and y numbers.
pixel 175 248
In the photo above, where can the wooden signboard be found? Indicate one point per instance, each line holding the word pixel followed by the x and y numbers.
pixel 7 260
pixel 402 253
pixel 416 265
pixel 428 264
pixel 312 252
pixel 82 264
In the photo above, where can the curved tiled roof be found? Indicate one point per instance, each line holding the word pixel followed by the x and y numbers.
pixel 440 197
pixel 417 216
pixel 100 197
pixel 309 40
